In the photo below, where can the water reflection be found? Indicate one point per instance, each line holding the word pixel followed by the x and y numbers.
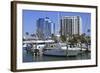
pixel 30 57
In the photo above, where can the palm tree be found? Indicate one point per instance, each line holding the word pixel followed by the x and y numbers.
pixel 74 39
pixel 63 38
pixel 71 41
pixel 88 30
pixel 54 37
pixel 67 39
pixel 27 34
pixel 83 39
pixel 88 39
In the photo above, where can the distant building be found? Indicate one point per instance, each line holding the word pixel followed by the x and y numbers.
pixel 70 25
pixel 45 28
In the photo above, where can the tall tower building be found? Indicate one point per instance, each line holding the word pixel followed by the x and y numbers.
pixel 70 25
pixel 45 28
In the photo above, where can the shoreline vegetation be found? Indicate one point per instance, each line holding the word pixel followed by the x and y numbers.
pixel 75 43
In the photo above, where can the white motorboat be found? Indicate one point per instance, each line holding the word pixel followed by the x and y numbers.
pixel 63 51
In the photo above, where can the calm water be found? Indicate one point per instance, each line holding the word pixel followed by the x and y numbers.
pixel 29 57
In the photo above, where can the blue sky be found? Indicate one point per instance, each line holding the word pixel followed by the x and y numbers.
pixel 31 16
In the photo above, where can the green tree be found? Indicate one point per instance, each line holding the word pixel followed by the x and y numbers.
pixel 63 38
pixel 83 39
pixel 88 41
pixel 27 33
pixel 74 39
pixel 54 37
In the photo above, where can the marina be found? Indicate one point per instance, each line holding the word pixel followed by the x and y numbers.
pixel 50 51
pixel 29 57
pixel 54 40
